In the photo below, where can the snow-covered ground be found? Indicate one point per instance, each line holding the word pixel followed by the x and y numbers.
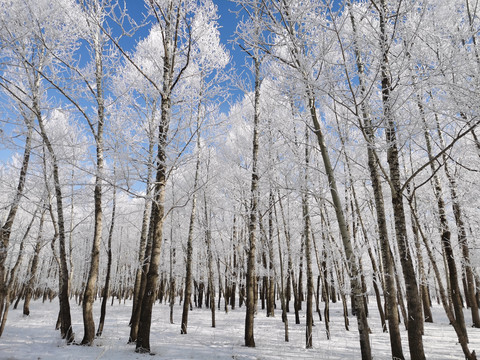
pixel 34 337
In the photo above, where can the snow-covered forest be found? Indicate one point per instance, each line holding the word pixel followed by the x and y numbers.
pixel 324 184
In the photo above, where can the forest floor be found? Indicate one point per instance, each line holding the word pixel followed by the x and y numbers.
pixel 34 337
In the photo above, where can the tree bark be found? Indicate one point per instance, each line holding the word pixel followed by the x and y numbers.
pixel 427 312
pixel 289 276
pixel 145 265
pixel 33 268
pixel 271 260
pixel 6 228
pixel 282 277
pixel 299 283
pixel 325 291
pixel 470 355
pixel 13 277
pixel 169 28
pixel 106 287
pixel 158 209
pixel 142 255
pixel 308 253
pixel 64 315
pixel 211 283
pixel 171 293
pixel 445 236
pixel 352 262
pixel 189 261
pixel 368 130
pixel 310 289
pixel 462 234
pixel 252 224
pixel 89 294
pixel 415 319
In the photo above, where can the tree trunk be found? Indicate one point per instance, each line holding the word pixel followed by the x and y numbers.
pixel 263 290
pixel 326 295
pixel 445 235
pixel 201 292
pixel 13 277
pixel 363 328
pixel 271 260
pixel 106 289
pixel 33 268
pixel 427 312
pixel 233 288
pixel 221 290
pixel 145 265
pixel 374 176
pixel 462 234
pixel 189 257
pixel 89 294
pixel 288 280
pixel 400 302
pixel 142 254
pixel 443 296
pixel 169 22
pixel 308 256
pixel 308 253
pixel 390 289
pixel 319 277
pixel 252 224
pixel 64 315
pixel 148 299
pixel 298 287
pixel 208 240
pixel 172 284
pixel 281 287
pixel 415 322
pixel 6 228
pixel 158 210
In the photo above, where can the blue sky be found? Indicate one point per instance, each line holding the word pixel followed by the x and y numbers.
pixel 227 22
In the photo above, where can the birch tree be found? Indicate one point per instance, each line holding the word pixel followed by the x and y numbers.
pixel 95 14
pixel 174 22
pixel 291 32
pixel 29 51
